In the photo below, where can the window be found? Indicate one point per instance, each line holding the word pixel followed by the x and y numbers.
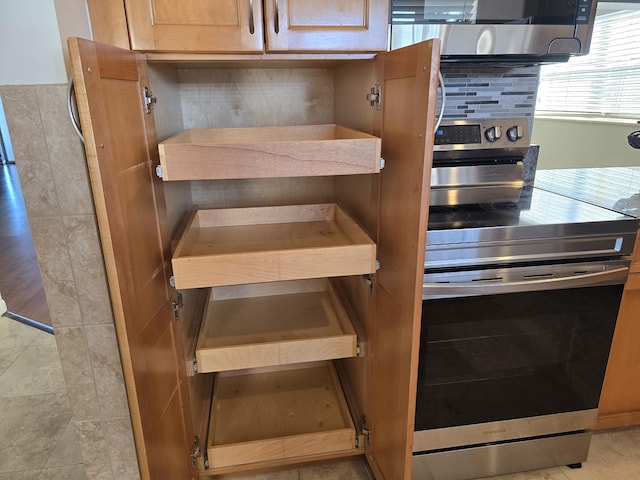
pixel 604 82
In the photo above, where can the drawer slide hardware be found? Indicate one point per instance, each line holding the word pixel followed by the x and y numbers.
pixel 369 280
pixel 365 429
pixel 196 451
pixel 176 305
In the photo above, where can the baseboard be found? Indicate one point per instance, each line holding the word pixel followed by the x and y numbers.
pixel 618 420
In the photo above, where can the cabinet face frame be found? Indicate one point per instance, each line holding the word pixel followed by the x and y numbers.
pixel 407 75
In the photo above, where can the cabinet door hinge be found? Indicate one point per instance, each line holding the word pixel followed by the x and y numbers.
pixel 365 430
pixel 194 362
pixel 196 451
pixel 149 100
pixel 369 280
pixel 159 171
pixel 375 97
pixel 176 305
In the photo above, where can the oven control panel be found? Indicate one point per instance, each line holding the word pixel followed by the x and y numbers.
pixel 482 134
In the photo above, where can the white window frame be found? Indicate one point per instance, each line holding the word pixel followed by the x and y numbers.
pixel 605 82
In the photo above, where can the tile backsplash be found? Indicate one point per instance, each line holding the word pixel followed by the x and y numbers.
pixel 478 92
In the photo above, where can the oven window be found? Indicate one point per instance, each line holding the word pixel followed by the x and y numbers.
pixel 500 357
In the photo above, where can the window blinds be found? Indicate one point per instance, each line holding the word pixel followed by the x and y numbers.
pixel 604 82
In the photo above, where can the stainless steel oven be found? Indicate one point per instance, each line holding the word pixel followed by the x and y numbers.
pixel 520 300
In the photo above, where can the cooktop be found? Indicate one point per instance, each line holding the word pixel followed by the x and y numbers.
pixel 542 226
pixel 536 207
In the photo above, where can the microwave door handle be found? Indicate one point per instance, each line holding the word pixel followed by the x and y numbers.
pixel 616 275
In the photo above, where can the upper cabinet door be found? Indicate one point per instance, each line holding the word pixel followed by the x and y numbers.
pixel 222 26
pixel 328 26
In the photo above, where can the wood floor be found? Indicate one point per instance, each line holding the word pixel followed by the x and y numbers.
pixel 20 279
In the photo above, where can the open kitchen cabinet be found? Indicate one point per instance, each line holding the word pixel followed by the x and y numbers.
pixel 351 255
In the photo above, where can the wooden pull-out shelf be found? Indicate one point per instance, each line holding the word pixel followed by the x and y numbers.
pixel 270 324
pixel 278 415
pixel 269 244
pixel 261 152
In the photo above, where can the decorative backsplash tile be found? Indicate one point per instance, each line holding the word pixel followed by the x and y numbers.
pixel 489 92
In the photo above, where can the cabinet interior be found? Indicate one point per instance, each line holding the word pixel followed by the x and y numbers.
pixel 243 96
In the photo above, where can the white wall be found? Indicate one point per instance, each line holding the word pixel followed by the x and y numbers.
pixel 567 142
pixel 31 50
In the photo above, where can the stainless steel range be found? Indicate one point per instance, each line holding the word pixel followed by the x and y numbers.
pixel 520 301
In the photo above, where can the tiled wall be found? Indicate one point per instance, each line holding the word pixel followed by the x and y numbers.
pixel 489 92
pixel 55 184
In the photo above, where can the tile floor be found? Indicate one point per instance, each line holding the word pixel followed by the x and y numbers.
pixel 37 440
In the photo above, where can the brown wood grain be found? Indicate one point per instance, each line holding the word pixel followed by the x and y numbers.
pixel 271 415
pixel 263 152
pixel 20 278
pixel 409 92
pixel 196 26
pixel 620 399
pixel 334 25
pixel 135 243
pixel 228 27
pixel 274 324
pixel 108 22
pixel 263 244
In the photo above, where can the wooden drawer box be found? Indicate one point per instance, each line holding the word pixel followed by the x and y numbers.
pixel 268 324
pixel 268 244
pixel 277 415
pixel 228 153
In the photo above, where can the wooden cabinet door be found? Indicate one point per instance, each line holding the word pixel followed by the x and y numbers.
pixel 328 26
pixel 121 156
pixel 224 26
pixel 620 399
pixel 408 84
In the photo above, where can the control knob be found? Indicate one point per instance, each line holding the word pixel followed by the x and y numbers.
pixel 515 133
pixel 493 133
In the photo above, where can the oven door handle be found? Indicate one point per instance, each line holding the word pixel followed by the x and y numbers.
pixel 607 277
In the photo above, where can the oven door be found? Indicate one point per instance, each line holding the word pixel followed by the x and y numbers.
pixel 502 345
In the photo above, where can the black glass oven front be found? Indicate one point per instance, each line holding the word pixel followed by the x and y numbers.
pixel 498 357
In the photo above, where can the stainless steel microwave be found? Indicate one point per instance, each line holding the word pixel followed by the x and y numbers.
pixel 496 30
